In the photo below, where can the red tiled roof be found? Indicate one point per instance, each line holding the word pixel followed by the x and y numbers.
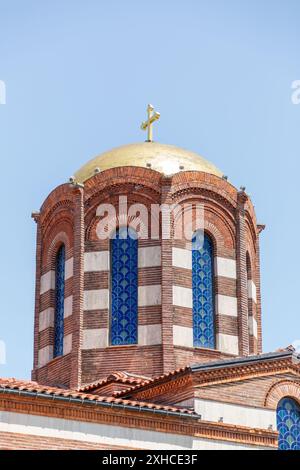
pixel 8 384
pixel 116 377
pixel 210 366
pixel 158 378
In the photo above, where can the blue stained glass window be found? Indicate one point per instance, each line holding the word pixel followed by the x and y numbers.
pixel 124 287
pixel 288 424
pixel 59 302
pixel 203 291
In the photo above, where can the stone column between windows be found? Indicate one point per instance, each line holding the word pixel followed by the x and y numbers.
pixel 36 217
pixel 78 289
pixel 167 286
pixel 242 279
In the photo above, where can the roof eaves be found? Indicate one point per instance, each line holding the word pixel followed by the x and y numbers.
pixel 119 404
pixel 241 361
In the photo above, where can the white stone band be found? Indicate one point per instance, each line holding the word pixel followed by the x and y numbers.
pixel 183 336
pixel 96 299
pixel 225 267
pixel 95 261
pixel 252 291
pixel 46 319
pixel 252 326
pixel 95 338
pixel 67 348
pixel 45 355
pixel 68 306
pixel 228 343
pixel 149 295
pixel 182 296
pixel 149 257
pixel 149 335
pixel 182 258
pixel 47 282
pixel 69 268
pixel 226 305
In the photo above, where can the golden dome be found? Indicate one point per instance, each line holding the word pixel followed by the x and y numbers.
pixel 166 159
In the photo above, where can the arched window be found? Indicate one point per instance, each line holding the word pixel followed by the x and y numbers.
pixel 288 424
pixel 203 291
pixel 59 302
pixel 124 287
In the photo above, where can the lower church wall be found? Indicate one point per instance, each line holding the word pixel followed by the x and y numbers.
pixel 242 392
pixel 101 436
pixel 229 413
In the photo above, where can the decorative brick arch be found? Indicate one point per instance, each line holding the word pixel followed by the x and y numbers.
pixel 279 390
pixel 133 201
pixel 60 239
pixel 215 223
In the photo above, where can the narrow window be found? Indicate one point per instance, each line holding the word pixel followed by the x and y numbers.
pixel 59 302
pixel 124 287
pixel 203 291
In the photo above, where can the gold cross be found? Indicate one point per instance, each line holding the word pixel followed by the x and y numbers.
pixel 152 117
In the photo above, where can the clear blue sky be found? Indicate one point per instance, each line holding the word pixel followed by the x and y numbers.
pixel 79 75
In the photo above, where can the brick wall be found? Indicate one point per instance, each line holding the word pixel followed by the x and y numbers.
pixel 165 312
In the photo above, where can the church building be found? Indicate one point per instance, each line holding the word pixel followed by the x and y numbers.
pixel 145 338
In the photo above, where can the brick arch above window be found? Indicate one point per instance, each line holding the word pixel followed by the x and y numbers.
pixel 61 209
pixel 115 177
pixel 92 220
pixel 218 228
pixel 217 221
pixel 279 390
pixel 192 182
pixel 53 242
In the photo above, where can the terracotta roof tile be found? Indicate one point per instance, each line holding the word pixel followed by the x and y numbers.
pixel 240 362
pixel 116 377
pixel 154 380
pixel 23 386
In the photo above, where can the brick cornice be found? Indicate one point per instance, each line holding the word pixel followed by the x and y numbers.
pixel 196 179
pixel 260 228
pixel 205 193
pixel 202 378
pixel 138 420
pixel 122 175
pixel 246 371
pixel 163 388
